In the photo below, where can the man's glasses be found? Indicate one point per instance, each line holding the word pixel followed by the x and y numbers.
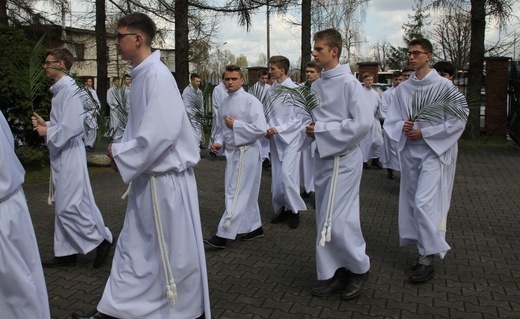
pixel 120 36
pixel 48 63
pixel 416 53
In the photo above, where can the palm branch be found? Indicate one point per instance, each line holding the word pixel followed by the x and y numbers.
pixel 437 102
pixel 260 92
pixel 120 111
pixel 301 96
pixel 196 109
pixel 35 79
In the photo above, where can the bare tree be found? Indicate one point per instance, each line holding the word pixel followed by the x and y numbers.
pixel 480 11
pixel 452 34
pixel 380 53
pixel 262 60
pixel 347 16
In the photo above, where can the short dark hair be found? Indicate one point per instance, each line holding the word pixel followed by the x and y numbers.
pixel 281 62
pixel 115 78
pixel 127 76
pixel 312 64
pixel 193 76
pixel 397 74
pixel 367 75
pixel 407 69
pixel 331 37
pixel 444 67
pixel 139 22
pixel 424 43
pixel 262 73
pixel 62 54
pixel 234 68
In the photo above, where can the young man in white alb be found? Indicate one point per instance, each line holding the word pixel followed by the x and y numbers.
pixel 428 153
pixel 240 126
pixel 341 122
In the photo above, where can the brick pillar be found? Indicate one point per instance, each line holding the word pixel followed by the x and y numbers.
pixel 252 74
pixel 497 82
pixel 372 67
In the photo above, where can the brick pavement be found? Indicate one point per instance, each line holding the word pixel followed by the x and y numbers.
pixel 271 277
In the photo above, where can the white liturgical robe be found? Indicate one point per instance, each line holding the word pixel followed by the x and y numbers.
pixel 157 154
pixel 428 167
pixel 22 286
pixel 79 226
pixel 243 162
pixel 389 158
pixel 341 122
pixel 372 144
pixel 285 155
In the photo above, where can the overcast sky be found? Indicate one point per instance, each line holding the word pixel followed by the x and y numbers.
pixel 384 22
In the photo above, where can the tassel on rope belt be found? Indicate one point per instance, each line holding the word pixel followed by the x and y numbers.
pixel 231 212
pixel 327 226
pixel 50 198
pixel 171 288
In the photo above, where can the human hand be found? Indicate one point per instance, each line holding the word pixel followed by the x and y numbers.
pixel 309 130
pixel 229 121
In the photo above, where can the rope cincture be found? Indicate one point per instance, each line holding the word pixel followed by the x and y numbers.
pixel 326 232
pixel 445 160
pixel 171 288
pixel 50 198
pixel 125 195
pixel 231 212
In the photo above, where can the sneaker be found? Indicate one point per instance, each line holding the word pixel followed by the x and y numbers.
pixel 257 233
pixel 294 221
pixel 217 242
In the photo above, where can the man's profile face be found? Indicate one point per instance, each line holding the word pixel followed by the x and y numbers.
pixel 233 81
pixel 88 83
pixel 311 74
pixel 52 66
pixel 275 71
pixel 126 42
pixel 324 56
pixel 195 82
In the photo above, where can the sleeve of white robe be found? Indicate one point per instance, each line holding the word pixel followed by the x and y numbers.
pixel 248 133
pixel 334 138
pixel 395 117
pixel 160 128
pixel 69 124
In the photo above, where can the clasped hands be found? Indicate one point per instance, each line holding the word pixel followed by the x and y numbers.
pixel 413 134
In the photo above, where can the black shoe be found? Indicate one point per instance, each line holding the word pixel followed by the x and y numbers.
pixel 294 221
pixel 376 163
pixel 266 164
pixel 93 315
pixel 102 252
pixel 304 194
pixel 281 217
pixel 217 242
pixel 355 286
pixel 336 284
pixel 257 233
pixel 390 174
pixel 422 273
pixel 63 261
pixel 365 166
pixel 90 149
pixel 212 155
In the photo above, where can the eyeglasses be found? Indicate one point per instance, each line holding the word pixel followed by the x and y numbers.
pixel 120 36
pixel 47 63
pixel 416 53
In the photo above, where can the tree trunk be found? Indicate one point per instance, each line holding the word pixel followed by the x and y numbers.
pixel 3 13
pixel 306 36
pixel 182 69
pixel 102 55
pixel 476 65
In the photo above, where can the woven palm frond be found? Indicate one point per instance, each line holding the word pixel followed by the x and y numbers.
pixel 301 96
pixel 437 103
